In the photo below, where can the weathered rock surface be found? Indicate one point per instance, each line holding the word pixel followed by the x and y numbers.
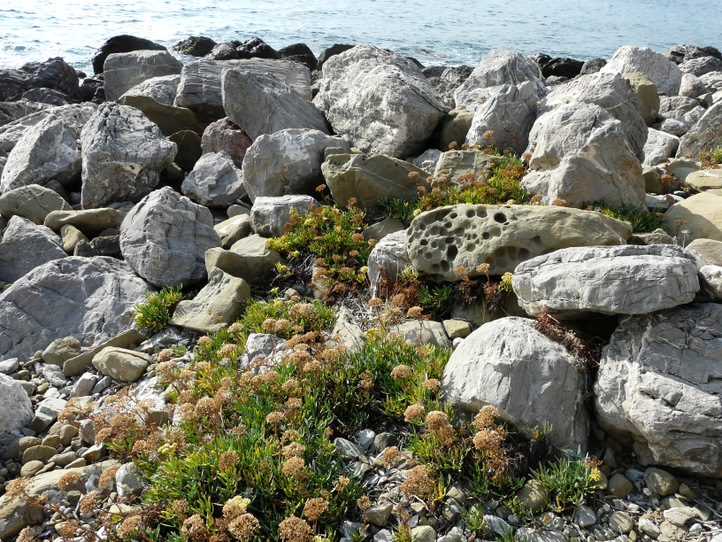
pixel 287 162
pixel 629 279
pixel 456 164
pixel 161 89
pixel 54 73
pixel 711 281
pixel 663 73
pixel 61 350
pixel 370 178
pixel 195 46
pixel 200 86
pixel 223 135
pixel 215 181
pixel 704 179
pixel 262 104
pixel 388 259
pixel 708 249
pixel 439 241
pixel 270 215
pixel 699 216
pixel 611 92
pixel 122 71
pixel 499 67
pixel 174 253
pixel 505 362
pixel 217 305
pixel 25 246
pixel 49 150
pixel 659 147
pixel 233 229
pixel 580 153
pixel 509 114
pixel 446 79
pixel 91 299
pixel 379 101
pixel 16 410
pixel 90 221
pixel 12 111
pixel 121 364
pixel 123 154
pixel 705 135
pixel 658 388
pixel 33 202
pixel 249 258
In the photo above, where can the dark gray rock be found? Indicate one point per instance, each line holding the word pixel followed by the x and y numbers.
pixel 301 53
pixel 164 238
pixel 54 73
pixel 700 66
pixel 195 46
pixel 705 135
pixel 256 48
pixel 90 299
pixel 122 44
pixel 335 49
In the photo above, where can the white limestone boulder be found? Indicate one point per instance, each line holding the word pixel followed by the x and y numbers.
pixel 215 181
pixel 658 387
pixel 379 101
pixel 665 74
pixel 628 279
pixel 164 238
pixel 529 377
pixel 581 154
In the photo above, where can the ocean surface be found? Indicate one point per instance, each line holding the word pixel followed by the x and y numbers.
pixel 433 32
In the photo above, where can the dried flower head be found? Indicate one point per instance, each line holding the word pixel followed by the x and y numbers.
pixel 228 349
pixel 236 326
pixel 389 456
pixel 165 355
pixel 401 372
pixel 432 384
pixel 313 508
pixel 69 480
pixel 414 413
pixel 436 419
pixel 244 526
pixel 294 449
pixel 129 526
pixel 194 528
pixel 235 506
pixel 485 417
pixel 27 535
pixel 228 460
pixel 275 418
pixel 293 466
pixel 414 312
pixel 204 340
pixel 364 503
pixel 293 529
pixel 559 202
pixel 89 503
pixel 419 483
pixel 375 302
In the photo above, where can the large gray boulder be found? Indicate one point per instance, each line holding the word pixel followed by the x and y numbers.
pixel 665 74
pixel 287 162
pixel 261 104
pixel 25 246
pixel 200 86
pixel 123 155
pixel 12 111
pixel 444 239
pixel 161 89
pixel 218 304
pixel 215 181
pixel 223 135
pixel 33 202
pixel 379 101
pixel 16 410
pixel 47 151
pixel 658 387
pixel 370 178
pixel 611 92
pixel 580 154
pixel 628 279
pixel 54 74
pixel 269 215
pixel 508 115
pixel 498 68
pixel 705 135
pixel 530 378
pixel 122 71
pixel 164 238
pixel 92 299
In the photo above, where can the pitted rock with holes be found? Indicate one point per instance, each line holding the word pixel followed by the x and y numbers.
pixel 444 239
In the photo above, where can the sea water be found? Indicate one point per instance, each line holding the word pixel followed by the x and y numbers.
pixel 434 32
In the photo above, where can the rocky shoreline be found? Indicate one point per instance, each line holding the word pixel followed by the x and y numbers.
pixel 156 174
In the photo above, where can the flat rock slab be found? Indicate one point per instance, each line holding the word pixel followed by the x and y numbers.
pixel 444 239
pixel 89 221
pixel 697 217
pixel 528 376
pixel 629 279
pixel 658 387
pixel 91 299
pixel 33 202
pixel 164 238
pixel 121 364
